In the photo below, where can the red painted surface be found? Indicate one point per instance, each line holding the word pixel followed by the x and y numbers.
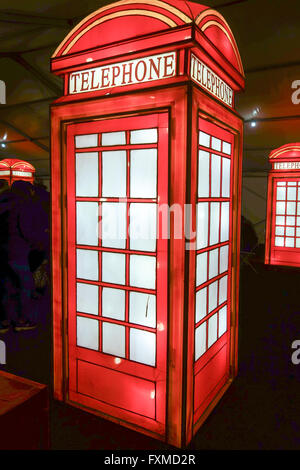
pixel 8 167
pixel 170 398
pixel 283 211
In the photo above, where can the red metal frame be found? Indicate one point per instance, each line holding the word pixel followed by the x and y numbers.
pixel 285 171
pixel 13 169
pixel 183 106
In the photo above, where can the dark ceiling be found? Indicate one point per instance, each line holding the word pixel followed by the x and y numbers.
pixel 267 33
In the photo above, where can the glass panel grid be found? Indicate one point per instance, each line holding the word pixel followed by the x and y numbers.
pixel 287 208
pixel 124 317
pixel 212 256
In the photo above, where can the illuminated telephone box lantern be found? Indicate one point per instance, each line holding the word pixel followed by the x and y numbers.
pixel 283 207
pixel 13 169
pixel 146 172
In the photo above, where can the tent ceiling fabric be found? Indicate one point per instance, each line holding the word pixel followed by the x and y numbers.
pixel 267 34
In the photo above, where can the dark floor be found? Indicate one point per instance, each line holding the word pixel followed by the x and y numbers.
pixel 261 410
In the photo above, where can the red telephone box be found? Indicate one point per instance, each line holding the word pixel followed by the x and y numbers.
pixel 146 184
pixel 283 207
pixel 13 169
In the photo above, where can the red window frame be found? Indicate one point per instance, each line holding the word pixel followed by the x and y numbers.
pixel 154 419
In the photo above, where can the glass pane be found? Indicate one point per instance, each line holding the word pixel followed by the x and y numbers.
pixel 224 221
pixel 202 225
pixel 113 303
pixel 297 242
pixel 200 340
pixel 291 194
pixel 281 183
pixel 223 289
pixel 143 271
pixel 280 208
pixel 216 144
pixel 87 298
pixel 86 141
pixel 143 226
pixel 142 346
pixel 214 223
pixel 222 321
pixel 298 232
pixel 212 296
pixel 87 223
pixel 226 148
pixel 87 174
pixel 113 224
pixel 290 232
pixel 201 269
pixel 290 242
pixel 290 220
pixel 143 173
pixel 87 264
pixel 144 136
pixel 226 164
pixel 291 208
pixel 87 333
pixel 113 268
pixel 213 263
pixel 215 175
pixel 298 208
pixel 203 174
pixel 279 241
pixel 212 330
pixel 204 139
pixel 201 301
pixel 281 194
pixel 113 339
pixel 114 174
pixel 224 253
pixel 142 309
pixel 279 231
pixel 113 138
pixel 298 221
pixel 280 220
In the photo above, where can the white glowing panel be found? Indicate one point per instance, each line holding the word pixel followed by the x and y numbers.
pixel 290 242
pixel 202 225
pixel 291 208
pixel 113 268
pixel 113 303
pixel 222 321
pixel 87 223
pixel 143 173
pixel 292 194
pixel 203 174
pixel 224 221
pixel 87 333
pixel 281 194
pixel 226 163
pixel 114 173
pixel 113 339
pixel 113 224
pixel 200 340
pixel 204 139
pixel 87 296
pixel 279 231
pixel 279 241
pixel 280 220
pixel 201 269
pixel 214 223
pixel 215 175
pixel 143 226
pixel 223 287
pixel 113 138
pixel 289 232
pixel 280 208
pixel 290 220
pixel 142 346
pixel 224 254
pixel 212 296
pixel 212 330
pixel 142 309
pixel 144 136
pixel 86 141
pixel 87 264
pixel 213 263
pixel 216 144
pixel 226 148
pixel 87 174
pixel 201 301
pixel 143 271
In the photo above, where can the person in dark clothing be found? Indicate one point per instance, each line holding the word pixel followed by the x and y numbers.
pixel 19 282
pixel 5 206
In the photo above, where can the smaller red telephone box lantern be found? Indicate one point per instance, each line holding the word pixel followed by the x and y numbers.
pixel 13 169
pixel 283 207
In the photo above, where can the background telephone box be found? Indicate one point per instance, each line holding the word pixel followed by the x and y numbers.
pixel 145 325
pixel 13 169
pixel 283 207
